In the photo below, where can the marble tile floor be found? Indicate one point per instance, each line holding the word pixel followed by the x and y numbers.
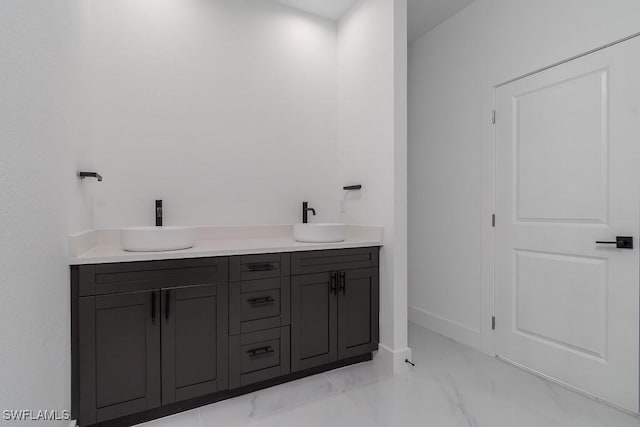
pixel 451 385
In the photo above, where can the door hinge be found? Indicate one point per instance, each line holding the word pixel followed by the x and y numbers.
pixel 493 220
pixel 493 117
pixel 493 323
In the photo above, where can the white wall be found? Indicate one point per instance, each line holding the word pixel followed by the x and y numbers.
pixel 236 112
pixel 226 110
pixel 372 143
pixel 452 71
pixel 42 133
pixel 79 145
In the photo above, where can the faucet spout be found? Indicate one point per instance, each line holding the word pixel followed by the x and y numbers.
pixel 305 212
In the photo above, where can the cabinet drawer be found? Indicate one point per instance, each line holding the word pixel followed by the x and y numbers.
pixel 259 304
pixel 100 279
pixel 258 356
pixel 330 260
pixel 252 267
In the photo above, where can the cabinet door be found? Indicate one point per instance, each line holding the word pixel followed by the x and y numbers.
pixel 313 321
pixel 194 342
pixel 119 355
pixel 358 301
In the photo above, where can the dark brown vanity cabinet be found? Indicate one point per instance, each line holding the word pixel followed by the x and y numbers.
pixel 335 306
pixel 135 349
pixel 157 337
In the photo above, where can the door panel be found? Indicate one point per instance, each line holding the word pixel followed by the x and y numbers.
pixel 567 175
pixel 561 167
pixel 194 342
pixel 119 355
pixel 357 312
pixel 313 321
pixel 195 358
pixel 575 318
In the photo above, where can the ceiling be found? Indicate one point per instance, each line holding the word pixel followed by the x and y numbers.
pixel 330 9
pixel 423 15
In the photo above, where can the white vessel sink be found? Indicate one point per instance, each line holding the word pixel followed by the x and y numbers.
pixel 319 233
pixel 153 239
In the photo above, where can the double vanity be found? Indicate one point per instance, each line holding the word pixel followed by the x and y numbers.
pixel 154 333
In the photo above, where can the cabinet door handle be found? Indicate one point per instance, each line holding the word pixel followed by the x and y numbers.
pixel 153 306
pixel 334 279
pixel 166 304
pixel 258 351
pixel 261 300
pixel 260 267
pixel 343 282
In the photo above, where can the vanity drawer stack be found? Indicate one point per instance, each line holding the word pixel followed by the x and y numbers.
pixel 259 318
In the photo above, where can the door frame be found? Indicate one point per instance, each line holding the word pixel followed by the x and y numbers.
pixel 489 193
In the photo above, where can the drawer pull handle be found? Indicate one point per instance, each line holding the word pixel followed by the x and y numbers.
pixel 260 267
pixel 343 282
pixel 261 300
pixel 259 351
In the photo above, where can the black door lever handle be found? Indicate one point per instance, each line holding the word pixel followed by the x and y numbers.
pixel 622 242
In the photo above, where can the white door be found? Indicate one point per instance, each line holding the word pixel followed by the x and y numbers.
pixel 568 175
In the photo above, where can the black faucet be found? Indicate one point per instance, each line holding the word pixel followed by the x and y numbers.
pixel 305 211
pixel 158 213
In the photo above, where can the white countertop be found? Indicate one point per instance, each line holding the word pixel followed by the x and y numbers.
pixel 103 246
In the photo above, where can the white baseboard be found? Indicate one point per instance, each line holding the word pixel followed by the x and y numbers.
pixel 446 327
pixel 392 361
